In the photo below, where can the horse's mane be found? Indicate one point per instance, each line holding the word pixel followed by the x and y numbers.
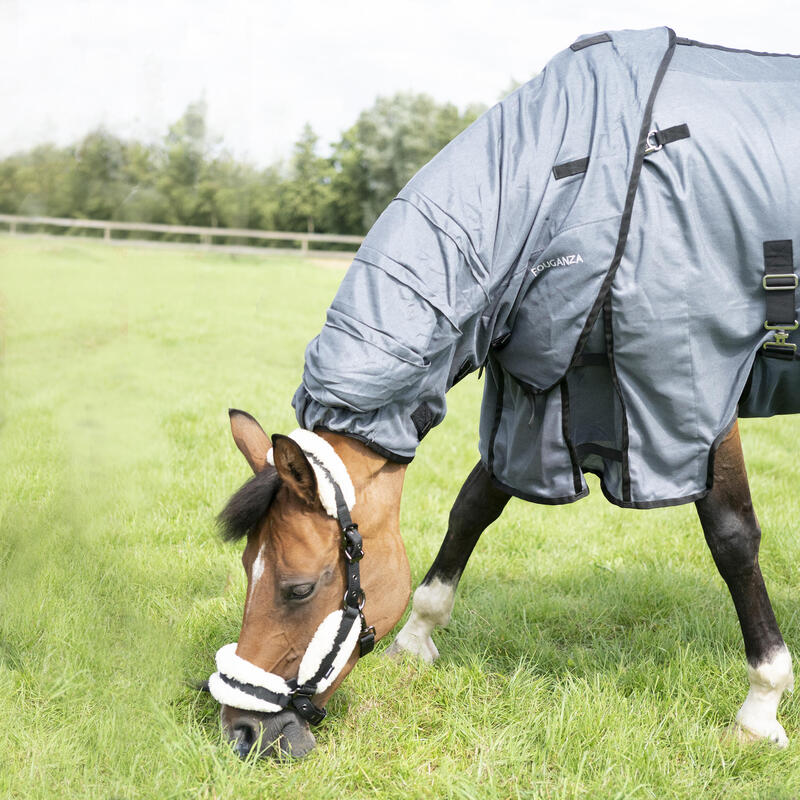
pixel 248 507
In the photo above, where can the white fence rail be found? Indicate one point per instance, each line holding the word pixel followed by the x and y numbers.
pixel 205 236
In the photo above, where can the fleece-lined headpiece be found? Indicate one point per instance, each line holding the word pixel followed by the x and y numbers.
pixel 328 467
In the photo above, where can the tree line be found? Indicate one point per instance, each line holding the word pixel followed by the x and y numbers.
pixel 188 178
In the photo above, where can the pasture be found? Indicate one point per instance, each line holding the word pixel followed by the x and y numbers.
pixel 593 652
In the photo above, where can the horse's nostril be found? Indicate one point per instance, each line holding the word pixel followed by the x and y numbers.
pixel 245 734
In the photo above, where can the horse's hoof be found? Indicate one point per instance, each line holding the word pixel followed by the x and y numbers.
pixel 410 644
pixel 773 733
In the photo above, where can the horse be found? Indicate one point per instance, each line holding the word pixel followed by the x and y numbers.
pixel 500 255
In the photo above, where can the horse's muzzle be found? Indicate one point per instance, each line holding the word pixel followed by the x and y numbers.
pixel 260 734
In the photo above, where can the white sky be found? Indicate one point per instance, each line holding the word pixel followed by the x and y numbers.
pixel 265 68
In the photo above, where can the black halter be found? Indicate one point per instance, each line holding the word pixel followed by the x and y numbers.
pixel 354 599
pixel 299 697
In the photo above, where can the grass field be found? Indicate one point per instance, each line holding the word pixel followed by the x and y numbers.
pixel 593 652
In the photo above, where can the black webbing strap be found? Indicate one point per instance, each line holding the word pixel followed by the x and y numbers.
pixel 673 134
pixel 780 284
pixel 569 168
pixel 583 43
pixel 656 139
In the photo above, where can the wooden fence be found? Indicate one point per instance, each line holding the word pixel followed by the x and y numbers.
pixel 205 237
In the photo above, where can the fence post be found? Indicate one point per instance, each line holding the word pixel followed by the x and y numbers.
pixel 107 234
pixel 304 246
pixel 12 228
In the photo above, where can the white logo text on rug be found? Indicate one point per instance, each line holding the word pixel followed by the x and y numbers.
pixel 560 261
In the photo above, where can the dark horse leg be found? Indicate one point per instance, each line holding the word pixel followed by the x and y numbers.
pixel 478 505
pixel 733 535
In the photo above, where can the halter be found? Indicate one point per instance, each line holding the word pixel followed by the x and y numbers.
pixel 240 683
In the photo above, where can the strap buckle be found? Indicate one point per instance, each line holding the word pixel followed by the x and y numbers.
pixel 367 639
pixel 301 701
pixel 652 145
pixel 766 282
pixel 781 326
pixel 778 347
pixel 351 544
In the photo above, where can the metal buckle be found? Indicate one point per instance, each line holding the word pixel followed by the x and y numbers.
pixel 366 642
pixel 786 287
pixel 361 600
pixel 785 349
pixel 780 327
pixel 652 146
pixel 778 346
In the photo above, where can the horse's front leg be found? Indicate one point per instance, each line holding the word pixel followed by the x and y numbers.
pixel 479 503
pixel 733 535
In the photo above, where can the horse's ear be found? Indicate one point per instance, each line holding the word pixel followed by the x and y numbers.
pixel 250 438
pixel 294 468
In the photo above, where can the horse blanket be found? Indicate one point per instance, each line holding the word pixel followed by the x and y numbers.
pixel 608 241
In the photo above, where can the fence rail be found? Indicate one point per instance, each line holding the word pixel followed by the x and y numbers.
pixel 206 235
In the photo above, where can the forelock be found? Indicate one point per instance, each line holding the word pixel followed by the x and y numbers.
pixel 247 508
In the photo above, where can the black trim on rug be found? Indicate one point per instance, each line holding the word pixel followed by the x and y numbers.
pixel 682 40
pixel 498 413
pixel 633 185
pixel 577 475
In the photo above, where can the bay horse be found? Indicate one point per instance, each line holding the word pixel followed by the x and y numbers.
pixel 618 254
pixel 296 574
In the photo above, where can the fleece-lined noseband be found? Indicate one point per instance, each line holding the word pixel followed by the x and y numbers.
pixel 241 684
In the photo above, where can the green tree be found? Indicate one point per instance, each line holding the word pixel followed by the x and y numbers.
pixel 307 190
pixel 184 154
pixel 387 145
pixel 96 181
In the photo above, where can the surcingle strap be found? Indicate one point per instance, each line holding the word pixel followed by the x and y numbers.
pixel 780 283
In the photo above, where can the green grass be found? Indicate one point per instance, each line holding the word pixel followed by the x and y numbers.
pixel 593 652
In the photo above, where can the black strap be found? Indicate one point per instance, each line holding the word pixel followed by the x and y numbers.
pixel 570 168
pixel 673 134
pixel 780 284
pixel 599 39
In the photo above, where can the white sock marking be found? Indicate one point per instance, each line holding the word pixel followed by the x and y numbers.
pixel 432 607
pixel 768 681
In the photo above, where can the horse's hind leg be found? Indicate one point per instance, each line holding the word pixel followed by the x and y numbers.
pixel 733 535
pixel 479 503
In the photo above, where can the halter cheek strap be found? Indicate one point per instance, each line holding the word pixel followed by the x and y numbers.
pixel 240 683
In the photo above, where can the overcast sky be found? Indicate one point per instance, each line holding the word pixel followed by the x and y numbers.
pixel 265 68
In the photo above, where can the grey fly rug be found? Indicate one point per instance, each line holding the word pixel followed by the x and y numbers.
pixel 609 241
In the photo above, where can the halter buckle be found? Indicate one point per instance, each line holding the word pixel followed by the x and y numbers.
pixel 351 544
pixel 301 701
pixel 367 639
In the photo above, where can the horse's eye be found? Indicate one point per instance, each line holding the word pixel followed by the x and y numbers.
pixel 300 591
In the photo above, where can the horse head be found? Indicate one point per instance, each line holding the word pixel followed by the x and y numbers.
pixel 299 639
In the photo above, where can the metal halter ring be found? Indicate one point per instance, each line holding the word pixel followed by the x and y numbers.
pixel 362 598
